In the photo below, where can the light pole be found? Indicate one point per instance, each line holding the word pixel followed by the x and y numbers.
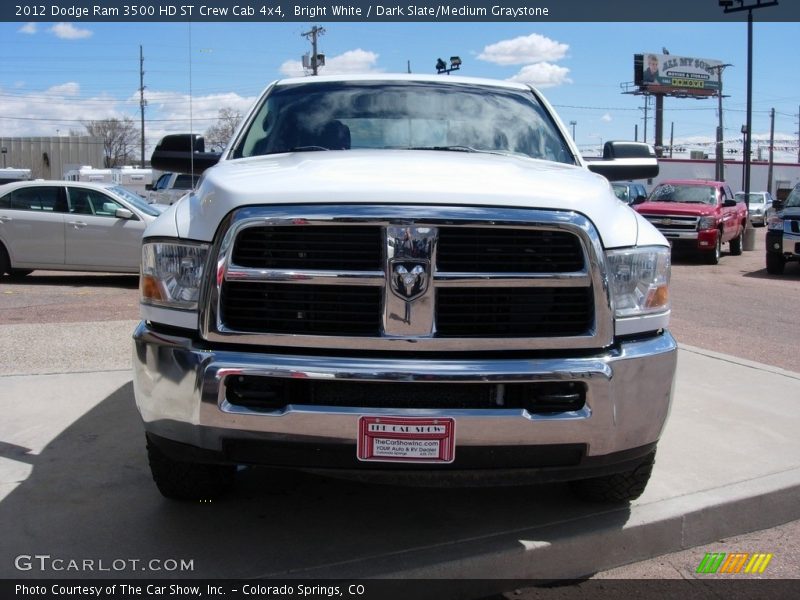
pixel 719 170
pixel 573 124
pixel 750 236
pixel 441 66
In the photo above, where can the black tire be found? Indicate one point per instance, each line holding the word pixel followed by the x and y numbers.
pixel 712 258
pixel 737 243
pixel 619 487
pixel 775 263
pixel 5 263
pixel 188 481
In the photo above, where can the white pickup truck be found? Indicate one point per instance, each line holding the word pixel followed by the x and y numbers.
pixel 170 187
pixel 415 278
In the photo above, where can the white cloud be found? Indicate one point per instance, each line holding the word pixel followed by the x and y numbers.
pixel 65 89
pixel 606 118
pixel 352 61
pixel 68 31
pixel 29 28
pixel 542 75
pixel 533 48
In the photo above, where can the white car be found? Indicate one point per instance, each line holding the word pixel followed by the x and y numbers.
pixel 71 226
pixel 759 206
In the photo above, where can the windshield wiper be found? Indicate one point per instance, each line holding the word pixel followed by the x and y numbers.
pixel 446 148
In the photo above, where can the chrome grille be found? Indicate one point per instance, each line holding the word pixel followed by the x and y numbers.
pixel 372 278
pixel 673 222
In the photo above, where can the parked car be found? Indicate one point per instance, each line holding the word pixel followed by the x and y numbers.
pixel 759 206
pixel 171 187
pixel 697 215
pixel 71 226
pixel 783 233
pixel 629 192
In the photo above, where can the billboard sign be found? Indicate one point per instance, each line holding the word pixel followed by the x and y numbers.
pixel 676 75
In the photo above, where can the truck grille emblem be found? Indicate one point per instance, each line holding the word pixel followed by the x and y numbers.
pixel 409 280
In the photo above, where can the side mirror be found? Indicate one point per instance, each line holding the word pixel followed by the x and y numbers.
pixel 148 187
pixel 777 204
pixel 639 200
pixel 123 213
pixel 183 153
pixel 729 203
pixel 625 160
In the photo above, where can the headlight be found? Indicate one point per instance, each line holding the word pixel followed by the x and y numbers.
pixel 639 280
pixel 172 274
pixel 706 223
pixel 775 223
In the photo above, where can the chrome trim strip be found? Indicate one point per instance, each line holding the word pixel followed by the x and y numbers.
pixel 300 276
pixel 423 338
pixel 577 279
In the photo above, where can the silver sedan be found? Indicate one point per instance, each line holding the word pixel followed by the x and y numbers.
pixel 71 226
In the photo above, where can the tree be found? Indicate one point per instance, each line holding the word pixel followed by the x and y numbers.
pixel 218 135
pixel 120 139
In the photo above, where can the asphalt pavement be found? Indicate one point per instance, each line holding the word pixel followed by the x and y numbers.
pixel 74 484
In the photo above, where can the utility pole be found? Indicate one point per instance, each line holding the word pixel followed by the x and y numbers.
pixel 646 103
pixel 313 35
pixel 771 145
pixel 719 170
pixel 573 124
pixel 142 101
pixel 749 238
pixel 671 137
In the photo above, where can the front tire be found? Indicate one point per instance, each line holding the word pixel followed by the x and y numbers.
pixel 775 263
pixel 712 258
pixel 619 487
pixel 188 481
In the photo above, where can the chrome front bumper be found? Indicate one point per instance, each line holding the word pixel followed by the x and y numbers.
pixel 180 393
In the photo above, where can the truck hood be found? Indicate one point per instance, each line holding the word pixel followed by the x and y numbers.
pixel 675 208
pixel 397 177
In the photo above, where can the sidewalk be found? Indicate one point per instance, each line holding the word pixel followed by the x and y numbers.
pixel 74 484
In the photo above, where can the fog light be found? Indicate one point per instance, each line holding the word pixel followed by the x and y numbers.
pixel 776 246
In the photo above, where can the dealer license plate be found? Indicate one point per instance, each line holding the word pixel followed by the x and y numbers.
pixel 406 439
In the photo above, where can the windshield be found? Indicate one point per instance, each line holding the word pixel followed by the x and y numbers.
pixel 693 194
pixel 402 115
pixel 793 199
pixel 753 198
pixel 134 199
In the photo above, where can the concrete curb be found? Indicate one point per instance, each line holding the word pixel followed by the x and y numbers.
pixel 580 547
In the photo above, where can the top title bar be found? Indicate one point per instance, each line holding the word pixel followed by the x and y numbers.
pixel 410 10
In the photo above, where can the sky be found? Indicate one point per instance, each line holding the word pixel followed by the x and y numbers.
pixel 54 76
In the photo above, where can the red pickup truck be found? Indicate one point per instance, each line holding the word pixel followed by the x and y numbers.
pixel 697 215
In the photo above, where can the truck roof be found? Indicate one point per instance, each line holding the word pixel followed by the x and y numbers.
pixel 444 79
